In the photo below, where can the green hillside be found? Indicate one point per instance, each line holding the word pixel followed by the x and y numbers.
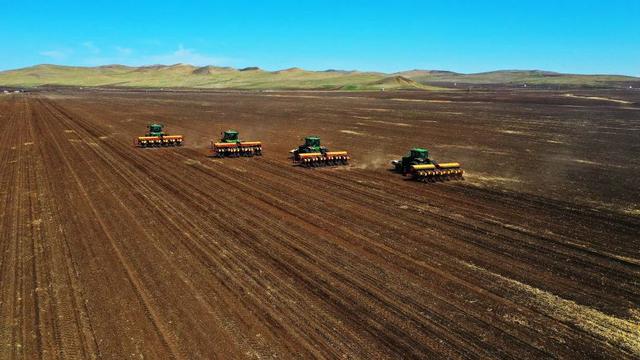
pixel 519 77
pixel 210 77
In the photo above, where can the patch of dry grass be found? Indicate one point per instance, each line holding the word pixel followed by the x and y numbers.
pixel 617 331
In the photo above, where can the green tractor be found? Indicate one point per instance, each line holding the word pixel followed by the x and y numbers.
pixel 312 154
pixel 414 157
pixel 311 145
pixel 231 146
pixel 422 168
pixel 230 136
pixel 156 136
pixel 155 130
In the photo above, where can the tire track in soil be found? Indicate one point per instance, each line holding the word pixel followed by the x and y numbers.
pixel 278 261
pixel 403 299
pixel 60 286
pixel 125 174
pixel 43 315
pixel 171 186
pixel 454 260
pixel 530 246
pixel 11 178
pixel 105 231
pixel 30 343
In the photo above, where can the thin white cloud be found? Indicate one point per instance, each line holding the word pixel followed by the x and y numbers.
pixel 113 55
pixel 89 45
pixel 55 54
pixel 88 54
pixel 123 51
pixel 186 56
pixel 104 60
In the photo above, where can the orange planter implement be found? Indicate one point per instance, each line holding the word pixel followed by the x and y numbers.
pixel 151 141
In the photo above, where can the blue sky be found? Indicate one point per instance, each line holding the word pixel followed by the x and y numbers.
pixel 465 36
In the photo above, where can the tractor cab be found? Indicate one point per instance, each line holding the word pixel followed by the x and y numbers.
pixel 415 156
pixel 311 145
pixel 155 130
pixel 230 145
pixel 312 142
pixel 230 136
pixel 312 154
pixel 156 136
pixel 422 168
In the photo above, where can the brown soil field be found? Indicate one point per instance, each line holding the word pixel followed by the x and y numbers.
pixel 110 251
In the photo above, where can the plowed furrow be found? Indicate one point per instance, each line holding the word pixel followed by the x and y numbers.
pixel 64 299
pixel 387 257
pixel 12 186
pixel 108 251
pixel 170 185
pixel 491 238
pixel 96 133
pixel 99 233
pixel 282 230
pixel 124 175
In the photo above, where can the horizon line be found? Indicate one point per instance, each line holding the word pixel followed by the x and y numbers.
pixel 324 70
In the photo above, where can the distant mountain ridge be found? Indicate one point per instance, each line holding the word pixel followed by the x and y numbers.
pixel 520 78
pixel 190 76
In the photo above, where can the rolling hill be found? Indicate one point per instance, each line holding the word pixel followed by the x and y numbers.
pixel 213 77
pixel 520 78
